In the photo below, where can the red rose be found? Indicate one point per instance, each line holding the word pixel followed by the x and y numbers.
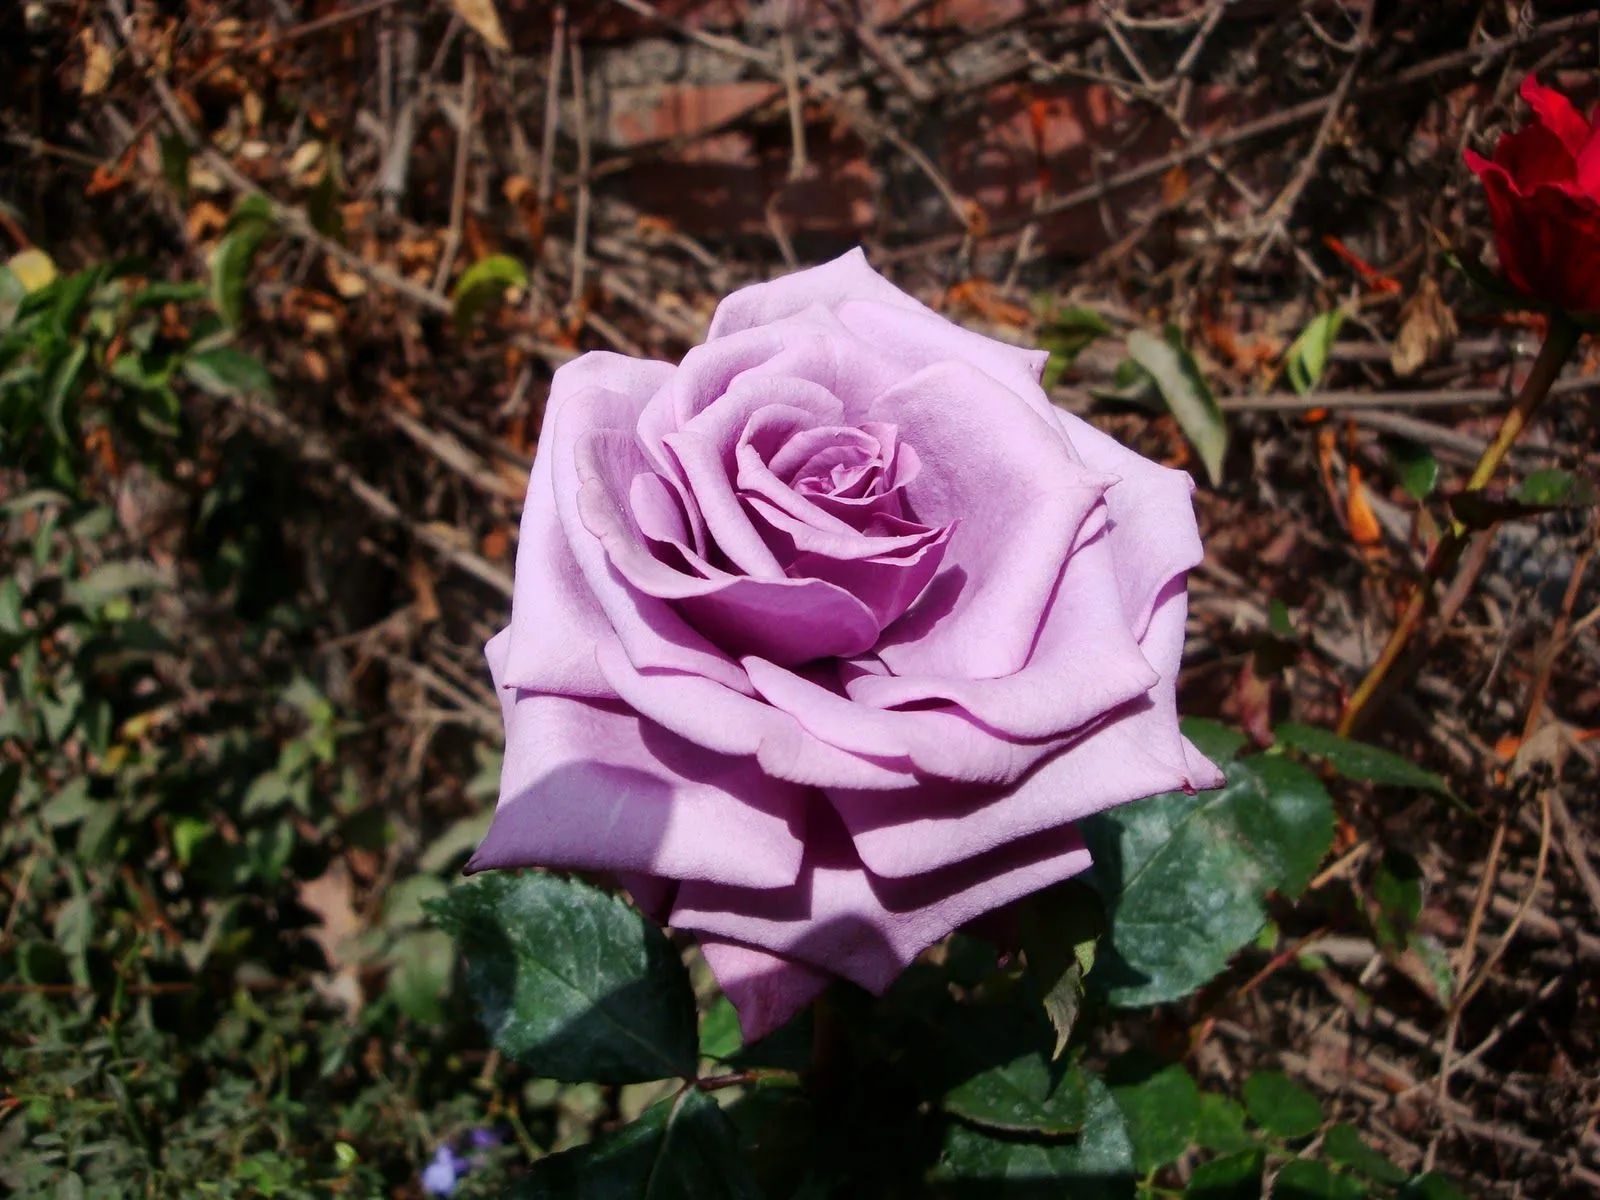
pixel 1544 196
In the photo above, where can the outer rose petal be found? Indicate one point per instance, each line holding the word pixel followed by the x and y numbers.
pixel 1556 113
pixel 1136 752
pixel 840 917
pixel 555 618
pixel 766 989
pixel 1548 241
pixel 594 786
pixel 848 277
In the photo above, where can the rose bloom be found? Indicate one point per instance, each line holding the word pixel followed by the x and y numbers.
pixel 824 637
pixel 1544 197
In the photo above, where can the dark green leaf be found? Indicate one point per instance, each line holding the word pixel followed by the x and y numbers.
pixel 1186 394
pixel 1161 1105
pixel 1307 355
pixel 63 390
pixel 1217 742
pixel 1280 1105
pixel 572 981
pixel 160 292
pixel 1416 467
pixel 1343 1144
pixel 1027 1095
pixel 1358 760
pixel 1059 929
pixel 720 1035
pixel 1541 492
pixel 1306 1179
pixel 1184 875
pixel 228 371
pixel 1221 1125
pixel 481 285
pixel 1095 1165
pixel 680 1149
pixel 234 257
pixel 1397 887
pixel 1233 1177
pixel 175 156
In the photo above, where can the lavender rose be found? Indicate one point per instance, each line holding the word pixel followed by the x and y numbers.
pixel 824 637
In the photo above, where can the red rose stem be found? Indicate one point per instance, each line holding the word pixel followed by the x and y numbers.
pixel 1558 346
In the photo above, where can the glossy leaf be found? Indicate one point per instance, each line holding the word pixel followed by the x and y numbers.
pixel 1097 1164
pixel 572 981
pixel 1187 395
pixel 1280 1105
pixel 1307 1179
pixel 1027 1095
pixel 1344 1145
pixel 1184 876
pixel 1217 742
pixel 1232 1177
pixel 1358 760
pixel 1161 1105
pixel 683 1148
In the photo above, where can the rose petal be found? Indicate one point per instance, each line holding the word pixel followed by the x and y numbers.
pixel 1153 531
pixel 592 786
pixel 829 285
pixel 1556 113
pixel 1005 474
pixel 1135 752
pixel 555 617
pixel 840 917
pixel 1084 663
pixel 767 990
pixel 726 722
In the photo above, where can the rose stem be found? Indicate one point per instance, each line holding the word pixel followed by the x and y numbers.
pixel 1559 343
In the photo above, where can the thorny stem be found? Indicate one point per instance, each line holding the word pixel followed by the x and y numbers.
pixel 1558 346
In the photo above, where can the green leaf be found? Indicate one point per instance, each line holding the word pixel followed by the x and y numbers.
pixel 460 839
pixel 1306 1179
pixel 175 156
pixel 1416 467
pixel 419 980
pixel 112 580
pixel 480 287
pixel 1095 1165
pixel 1221 1125
pixel 228 371
pixel 1280 1105
pixel 1358 760
pixel 1178 379
pixel 1161 1105
pixel 1184 875
pixel 1307 356
pixel 683 1148
pixel 63 390
pixel 1344 1145
pixel 234 257
pixel 1059 929
pixel 572 981
pixel 1552 488
pixel 1065 336
pixel 161 292
pixel 1217 742
pixel 1233 1177
pixel 1397 887
pixel 720 1035
pixel 402 906
pixel 1026 1095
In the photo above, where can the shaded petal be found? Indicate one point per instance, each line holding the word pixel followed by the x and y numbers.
pixel 555 617
pixel 1006 473
pixel 724 721
pixel 767 990
pixel 842 918
pixel 1135 752
pixel 1085 662
pixel 1556 113
pixel 591 785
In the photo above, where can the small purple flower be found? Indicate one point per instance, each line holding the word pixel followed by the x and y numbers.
pixel 441 1175
pixel 484 1139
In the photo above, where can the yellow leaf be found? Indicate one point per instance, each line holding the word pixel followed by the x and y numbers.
pixel 485 21
pixel 34 268
pixel 96 64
